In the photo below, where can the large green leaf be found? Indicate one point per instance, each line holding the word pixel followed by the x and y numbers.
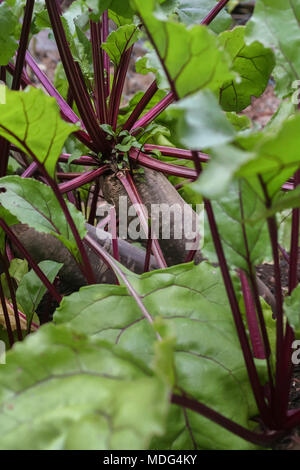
pixel 8 25
pixel 191 56
pixel 253 63
pixel 200 122
pixel 232 210
pixel 119 41
pixel 31 120
pixel 275 23
pixel 33 203
pixel 61 390
pixel 31 289
pixel 208 359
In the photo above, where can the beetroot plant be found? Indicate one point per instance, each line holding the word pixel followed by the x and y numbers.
pixel 176 329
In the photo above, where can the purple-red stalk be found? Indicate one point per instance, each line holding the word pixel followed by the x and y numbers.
pixel 135 198
pixel 214 12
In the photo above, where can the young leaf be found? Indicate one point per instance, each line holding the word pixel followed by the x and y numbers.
pixel 67 395
pixel 275 23
pixel 8 43
pixel 119 7
pixel 193 304
pixel 150 63
pixel 253 64
pixel 31 289
pixel 119 41
pixel 191 57
pixel 31 120
pixel 33 203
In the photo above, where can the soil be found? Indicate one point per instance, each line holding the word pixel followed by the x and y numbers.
pixel 262 109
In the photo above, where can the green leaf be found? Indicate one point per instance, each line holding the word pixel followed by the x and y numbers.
pixel 192 12
pixel 119 7
pixel 277 156
pixel 253 64
pixel 292 310
pixel 126 111
pixel 191 56
pixel 31 289
pixel 8 42
pixel 224 162
pixel 31 120
pixel 33 203
pixel 285 110
pixel 209 365
pixel 10 220
pixel 18 268
pixel 282 201
pixel 239 122
pixel 61 390
pixel 120 41
pixel 270 156
pixel 232 210
pixel 275 23
pixel 200 122
pixel 150 63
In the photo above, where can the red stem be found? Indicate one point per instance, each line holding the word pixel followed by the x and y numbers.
pixel 176 153
pixel 113 228
pixel 148 95
pixel 115 267
pixel 250 365
pixel 106 60
pixel 75 78
pixel 31 262
pixel 158 165
pixel 214 12
pixel 116 95
pixel 10 334
pixel 100 99
pixel 293 274
pixel 153 113
pixel 5 265
pixel 244 433
pixel 254 332
pixel 93 210
pixel 134 196
pixel 23 44
pixel 83 179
